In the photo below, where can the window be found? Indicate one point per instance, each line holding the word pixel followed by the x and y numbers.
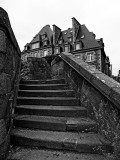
pixel 56 50
pixel 42 54
pixel 25 48
pixel 45 53
pixel 90 56
pixel 45 43
pixel 43 36
pixel 35 45
pixel 61 49
pixel 78 46
pixel 70 39
pixel 28 47
pixel 82 36
pixel 60 41
pixel 66 49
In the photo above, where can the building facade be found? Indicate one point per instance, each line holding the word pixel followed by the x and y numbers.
pixel 40 46
pixel 77 40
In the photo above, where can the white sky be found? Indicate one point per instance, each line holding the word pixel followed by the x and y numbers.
pixel 100 16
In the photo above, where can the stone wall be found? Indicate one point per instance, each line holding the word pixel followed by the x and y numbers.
pixel 97 92
pixel 36 68
pixel 9 78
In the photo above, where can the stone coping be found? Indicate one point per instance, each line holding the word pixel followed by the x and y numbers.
pixel 104 84
pixel 5 24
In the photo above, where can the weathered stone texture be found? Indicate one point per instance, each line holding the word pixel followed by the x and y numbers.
pixel 41 69
pixel 9 78
pixel 97 92
pixel 2 41
pixel 36 68
pixel 57 68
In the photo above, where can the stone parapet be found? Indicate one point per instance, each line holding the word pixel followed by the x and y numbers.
pixel 10 62
pixel 95 91
pixel 104 84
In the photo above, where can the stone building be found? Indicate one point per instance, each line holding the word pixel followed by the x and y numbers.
pixel 77 40
pixel 41 44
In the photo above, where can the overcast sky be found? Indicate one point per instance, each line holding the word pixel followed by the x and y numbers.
pixel 27 17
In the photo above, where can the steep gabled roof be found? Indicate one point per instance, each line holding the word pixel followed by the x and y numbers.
pixel 83 35
pixel 66 34
pixel 87 38
pixel 45 30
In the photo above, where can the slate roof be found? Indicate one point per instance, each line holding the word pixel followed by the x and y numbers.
pixel 45 30
pixel 84 35
pixel 66 34
pixel 89 41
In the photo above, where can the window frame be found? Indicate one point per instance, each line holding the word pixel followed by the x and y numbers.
pixel 45 51
pixel 56 50
pixel 35 45
pixel 91 56
pixel 67 48
pixel 79 46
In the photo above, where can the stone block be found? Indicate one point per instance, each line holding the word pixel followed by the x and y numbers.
pixel 80 66
pixel 4 148
pixel 115 96
pixel 5 83
pixel 2 41
pixel 3 104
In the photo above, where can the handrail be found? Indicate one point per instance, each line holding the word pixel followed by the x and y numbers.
pixel 104 84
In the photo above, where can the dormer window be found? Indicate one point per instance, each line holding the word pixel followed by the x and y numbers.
pixel 25 48
pixel 35 45
pixel 70 39
pixel 66 49
pixel 61 49
pixel 45 43
pixel 60 41
pixel 56 50
pixel 82 36
pixel 28 47
pixel 77 46
pixel 43 36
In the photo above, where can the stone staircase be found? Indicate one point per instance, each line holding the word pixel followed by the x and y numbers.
pixel 50 124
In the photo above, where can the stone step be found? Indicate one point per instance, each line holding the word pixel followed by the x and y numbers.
pixel 56 111
pixel 55 123
pixel 49 81
pixel 46 93
pixel 66 101
pixel 19 153
pixel 43 86
pixel 80 142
